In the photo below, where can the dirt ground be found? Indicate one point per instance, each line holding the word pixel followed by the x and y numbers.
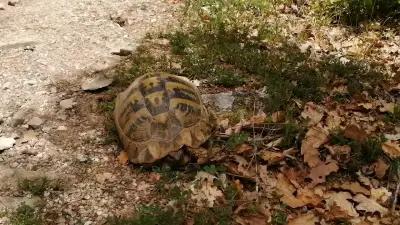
pixel 43 44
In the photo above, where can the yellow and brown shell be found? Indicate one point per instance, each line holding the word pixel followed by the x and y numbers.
pixel 158 114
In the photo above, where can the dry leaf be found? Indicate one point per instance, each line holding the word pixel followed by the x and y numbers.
pixel 306 219
pixel 313 113
pixel 271 157
pixel 309 197
pixel 315 137
pixel 243 148
pixel 367 105
pixel 333 120
pixel 387 107
pixel 252 220
pixel 363 179
pixel 123 158
pixel 224 123
pixel 257 119
pixel 355 133
pixel 341 200
pixel 286 189
pixel 207 193
pixel 380 195
pixel 319 173
pixel 369 205
pixel 340 152
pixel 392 149
pixel 353 187
pixel 380 168
pixel 278 117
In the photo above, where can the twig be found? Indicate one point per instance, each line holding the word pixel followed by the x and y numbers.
pixel 396 193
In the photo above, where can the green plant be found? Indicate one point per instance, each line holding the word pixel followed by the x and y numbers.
pixel 279 217
pixel 35 186
pixel 237 139
pixel 25 215
pixel 214 169
pixel 290 135
pixel 151 215
pixel 354 12
pixel 395 116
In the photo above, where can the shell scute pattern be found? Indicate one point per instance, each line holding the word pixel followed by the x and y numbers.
pixel 158 114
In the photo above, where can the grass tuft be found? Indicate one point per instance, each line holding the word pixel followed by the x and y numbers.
pixel 25 215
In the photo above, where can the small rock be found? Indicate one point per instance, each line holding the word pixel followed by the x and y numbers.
pixel 18 118
pixel 123 52
pixel 223 101
pixel 2 6
pixel 6 143
pixel 101 178
pixel 35 122
pixel 62 128
pixel 29 136
pixel 13 2
pixel 95 83
pixel 82 158
pixel 67 103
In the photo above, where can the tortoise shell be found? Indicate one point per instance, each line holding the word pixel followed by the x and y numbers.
pixel 158 114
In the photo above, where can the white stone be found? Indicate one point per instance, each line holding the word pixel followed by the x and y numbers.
pixel 223 101
pixel 67 103
pixel 95 83
pixel 62 128
pixel 6 143
pixel 35 122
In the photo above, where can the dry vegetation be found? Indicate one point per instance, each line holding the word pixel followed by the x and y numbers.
pixel 322 147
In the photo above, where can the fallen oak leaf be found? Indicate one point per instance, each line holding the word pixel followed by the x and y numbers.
pixel 271 157
pixel 333 120
pixel 207 193
pixel 123 158
pixel 381 194
pixel 251 220
pixel 286 189
pixel 355 133
pixel 353 187
pixel 313 113
pixel 314 138
pixel 387 107
pixel 318 174
pixel 369 205
pixel 341 200
pixel 305 219
pixel 380 168
pixel 392 149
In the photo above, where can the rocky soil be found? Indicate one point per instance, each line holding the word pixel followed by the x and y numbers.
pixel 47 127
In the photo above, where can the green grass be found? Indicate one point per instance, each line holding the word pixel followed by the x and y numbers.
pixel 355 12
pixel 151 215
pixel 35 186
pixel 279 217
pixel 237 139
pixel 395 116
pixel 25 215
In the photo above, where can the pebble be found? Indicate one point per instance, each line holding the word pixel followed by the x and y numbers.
pixel 6 143
pixel 35 122
pixel 13 2
pixel 101 178
pixel 223 101
pixel 2 6
pixel 95 83
pixel 62 128
pixel 67 103
pixel 18 118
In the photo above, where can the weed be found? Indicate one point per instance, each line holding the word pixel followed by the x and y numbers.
pixel 179 42
pixel 25 215
pixel 35 186
pixel 214 169
pixel 279 217
pixel 290 135
pixel 151 215
pixel 237 139
pixel 354 12
pixel 227 77
pixel 107 106
pixel 395 116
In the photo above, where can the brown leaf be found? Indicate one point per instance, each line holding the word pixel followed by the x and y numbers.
pixel 387 107
pixel 369 205
pixel 243 148
pixel 123 158
pixel 315 137
pixel 278 117
pixel 257 119
pixel 340 152
pixel 313 113
pixel 319 173
pixel 305 219
pixel 224 123
pixel 392 149
pixel 353 187
pixel 252 220
pixel 380 168
pixel 381 195
pixel 308 196
pixel 341 200
pixel 355 133
pixel 271 157
pixel 286 189
pixel 333 120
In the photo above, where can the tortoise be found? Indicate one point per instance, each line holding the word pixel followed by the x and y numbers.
pixel 158 115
